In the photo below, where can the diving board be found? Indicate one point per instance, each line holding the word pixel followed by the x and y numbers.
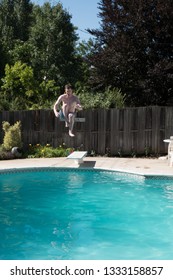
pixel 79 119
pixel 78 156
pixel 76 120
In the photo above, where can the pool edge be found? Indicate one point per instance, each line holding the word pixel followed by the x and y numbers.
pixel 120 171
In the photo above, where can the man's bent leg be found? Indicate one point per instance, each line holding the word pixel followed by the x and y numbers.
pixel 65 113
pixel 71 117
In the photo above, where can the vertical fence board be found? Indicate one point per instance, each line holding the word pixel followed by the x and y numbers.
pixel 141 130
pixel 155 128
pixel 169 122
pixel 127 141
pixel 114 132
pixel 102 116
pixel 134 130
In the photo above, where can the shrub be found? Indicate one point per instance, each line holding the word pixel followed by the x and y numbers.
pixel 4 155
pixel 12 137
pixel 111 98
pixel 39 151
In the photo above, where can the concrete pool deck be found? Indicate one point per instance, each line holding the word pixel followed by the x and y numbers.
pixel 142 166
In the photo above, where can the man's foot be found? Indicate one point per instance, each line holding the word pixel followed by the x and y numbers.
pixel 66 124
pixel 71 134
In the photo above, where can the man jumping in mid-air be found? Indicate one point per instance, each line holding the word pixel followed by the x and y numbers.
pixel 70 103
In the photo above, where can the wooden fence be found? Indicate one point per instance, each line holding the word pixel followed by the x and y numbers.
pixel 128 131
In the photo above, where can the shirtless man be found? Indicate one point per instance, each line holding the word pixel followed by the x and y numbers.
pixel 70 103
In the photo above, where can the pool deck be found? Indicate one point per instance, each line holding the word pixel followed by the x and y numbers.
pixel 141 166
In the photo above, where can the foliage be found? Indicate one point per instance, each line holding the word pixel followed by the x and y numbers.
pixel 84 49
pixel 37 54
pixel 111 98
pixel 131 53
pixel 39 151
pixel 15 22
pixel 4 154
pixel 41 36
pixel 133 50
pixel 20 91
pixel 12 137
pixel 21 52
pixel 53 37
pixel 19 86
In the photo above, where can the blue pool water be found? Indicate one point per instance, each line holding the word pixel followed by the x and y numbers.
pixel 69 214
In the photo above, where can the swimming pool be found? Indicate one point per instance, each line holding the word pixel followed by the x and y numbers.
pixel 84 214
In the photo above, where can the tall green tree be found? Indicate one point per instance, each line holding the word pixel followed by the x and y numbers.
pixel 7 23
pixel 23 19
pixel 15 21
pixel 134 50
pixel 54 39
pixel 84 48
pixel 2 59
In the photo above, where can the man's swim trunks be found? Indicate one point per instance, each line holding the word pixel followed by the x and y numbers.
pixel 61 115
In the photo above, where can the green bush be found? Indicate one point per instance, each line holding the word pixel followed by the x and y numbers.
pixel 4 155
pixel 12 137
pixel 111 98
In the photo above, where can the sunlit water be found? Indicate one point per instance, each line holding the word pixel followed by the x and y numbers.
pixel 70 214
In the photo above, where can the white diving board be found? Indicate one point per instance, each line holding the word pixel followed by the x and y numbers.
pixel 78 156
pixel 76 120
pixel 79 119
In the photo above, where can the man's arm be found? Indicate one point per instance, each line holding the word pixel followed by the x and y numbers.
pixel 56 106
pixel 78 105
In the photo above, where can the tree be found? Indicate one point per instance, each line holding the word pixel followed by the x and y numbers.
pixel 23 19
pixel 2 58
pixel 7 23
pixel 84 49
pixel 134 50
pixel 15 21
pixel 40 41
pixel 53 37
pixel 19 89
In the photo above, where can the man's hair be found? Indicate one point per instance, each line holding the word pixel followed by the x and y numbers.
pixel 68 86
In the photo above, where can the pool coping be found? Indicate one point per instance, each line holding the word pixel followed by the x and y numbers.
pixel 82 168
pixel 146 167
